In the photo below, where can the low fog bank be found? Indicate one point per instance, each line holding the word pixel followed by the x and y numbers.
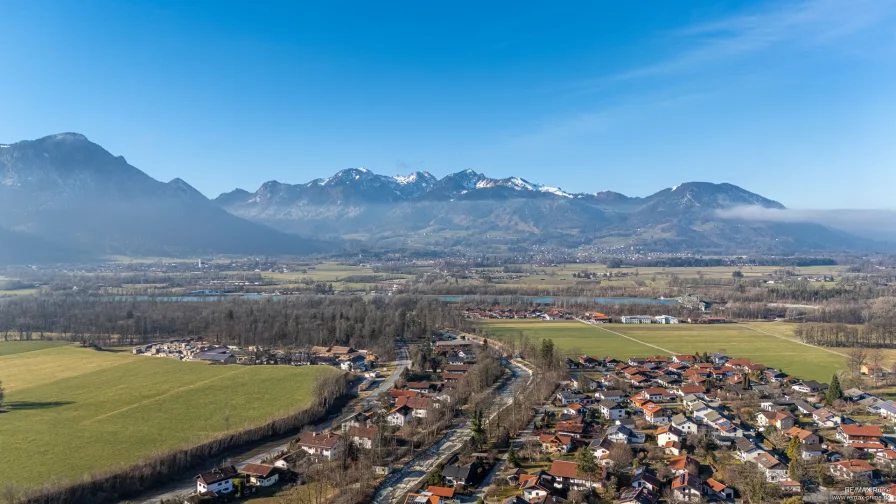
pixel 872 224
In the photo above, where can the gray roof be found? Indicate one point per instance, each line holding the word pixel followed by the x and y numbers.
pixel 680 419
pixel 606 403
pixel 216 357
pixel 744 444
pixel 889 407
pixel 458 472
pixel 621 429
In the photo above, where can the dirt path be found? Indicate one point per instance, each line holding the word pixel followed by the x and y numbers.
pixel 598 326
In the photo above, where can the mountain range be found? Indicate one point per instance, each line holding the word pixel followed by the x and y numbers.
pixel 65 198
pixel 470 210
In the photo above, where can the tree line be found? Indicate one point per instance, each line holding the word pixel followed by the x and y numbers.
pixel 290 322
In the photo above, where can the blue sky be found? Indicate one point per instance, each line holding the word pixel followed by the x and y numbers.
pixel 793 100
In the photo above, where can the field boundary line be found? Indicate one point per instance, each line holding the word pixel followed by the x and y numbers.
pixel 598 326
pixel 793 340
pixel 166 394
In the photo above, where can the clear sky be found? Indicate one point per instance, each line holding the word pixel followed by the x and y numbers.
pixel 793 100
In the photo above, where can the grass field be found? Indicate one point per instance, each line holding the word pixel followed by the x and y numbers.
pixel 732 339
pixel 28 346
pixel 72 411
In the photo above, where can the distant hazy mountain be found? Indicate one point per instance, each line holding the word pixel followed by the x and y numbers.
pixel 469 209
pixel 21 248
pixel 65 190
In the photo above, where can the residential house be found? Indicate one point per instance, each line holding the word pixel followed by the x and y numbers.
pixel 872 404
pixel 573 427
pixel 421 387
pixel 566 398
pixel 824 418
pixel 747 450
pixel 219 480
pixel 601 448
pixel 567 475
pixel 852 470
pixel 790 487
pixel 853 394
pixel 806 437
pixel 855 433
pixel 886 458
pixel 692 390
pixel 870 369
pixel 611 410
pixel 325 445
pixel 887 410
pixel 362 437
pixel 443 493
pixel 687 487
pixel 718 490
pixel 575 409
pixel 555 443
pixel 460 474
pixel 643 477
pixel 658 394
pixel 684 424
pixel 803 407
pixel 781 420
pixel 619 433
pixel 665 319
pixel 655 414
pixel 809 387
pixel 536 486
pixel 638 496
pixel 683 464
pixel 356 420
pixel 400 416
pixel 668 433
pixel 610 395
pixel 262 475
pixel 774 469
pixel 420 406
pixel 356 364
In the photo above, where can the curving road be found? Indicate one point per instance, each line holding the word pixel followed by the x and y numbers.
pixel 394 488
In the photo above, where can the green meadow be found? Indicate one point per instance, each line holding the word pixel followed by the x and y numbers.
pixel 72 411
pixel 735 340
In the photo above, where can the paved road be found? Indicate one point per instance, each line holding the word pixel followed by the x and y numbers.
pixel 186 485
pixel 393 489
pixel 518 442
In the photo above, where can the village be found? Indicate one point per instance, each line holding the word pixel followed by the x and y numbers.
pixel 498 313
pixel 380 431
pixel 686 428
pixel 344 357
pixel 702 429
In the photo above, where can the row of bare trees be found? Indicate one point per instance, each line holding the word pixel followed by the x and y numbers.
pixel 293 322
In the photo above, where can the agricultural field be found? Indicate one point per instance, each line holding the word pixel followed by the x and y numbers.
pixel 88 410
pixel 735 340
pixel 28 346
pixel 562 274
